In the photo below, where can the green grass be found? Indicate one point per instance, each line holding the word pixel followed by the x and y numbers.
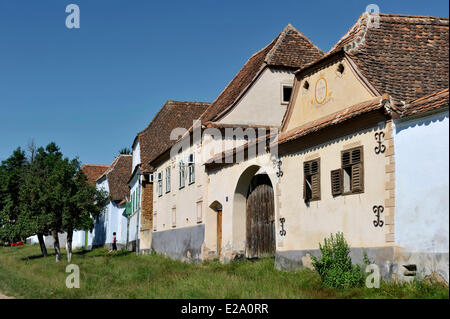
pixel 25 274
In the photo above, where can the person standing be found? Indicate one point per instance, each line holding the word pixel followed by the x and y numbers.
pixel 114 242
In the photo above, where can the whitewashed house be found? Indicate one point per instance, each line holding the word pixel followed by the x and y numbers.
pixel 193 215
pixel 114 182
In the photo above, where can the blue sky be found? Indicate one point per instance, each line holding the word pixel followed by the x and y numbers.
pixel 92 89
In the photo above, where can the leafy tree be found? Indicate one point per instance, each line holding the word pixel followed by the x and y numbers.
pixel 70 202
pixel 125 151
pixel 82 204
pixel 56 197
pixel 11 181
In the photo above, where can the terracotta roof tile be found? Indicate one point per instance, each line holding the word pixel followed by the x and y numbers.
pixel 427 104
pixel 155 138
pixel 117 176
pixel 407 57
pixel 333 119
pixel 93 171
pixel 289 49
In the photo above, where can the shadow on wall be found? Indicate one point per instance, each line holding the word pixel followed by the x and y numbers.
pixel 99 237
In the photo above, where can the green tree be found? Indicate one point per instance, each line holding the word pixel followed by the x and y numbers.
pixel 82 204
pixel 56 198
pixel 125 151
pixel 11 181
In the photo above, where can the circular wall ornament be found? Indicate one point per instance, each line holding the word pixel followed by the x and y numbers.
pixel 320 92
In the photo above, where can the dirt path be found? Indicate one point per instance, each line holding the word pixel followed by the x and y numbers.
pixel 2 296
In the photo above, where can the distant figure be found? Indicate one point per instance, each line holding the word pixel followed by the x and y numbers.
pixel 114 242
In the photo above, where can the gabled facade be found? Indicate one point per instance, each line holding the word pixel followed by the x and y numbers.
pixel 114 182
pixel 192 218
pixel 338 149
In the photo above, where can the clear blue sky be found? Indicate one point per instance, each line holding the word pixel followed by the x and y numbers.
pixel 92 89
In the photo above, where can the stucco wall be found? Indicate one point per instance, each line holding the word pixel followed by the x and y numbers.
pixel 136 156
pixel 307 224
pixel 422 204
pixel 339 91
pixel 262 105
pixel 422 177
pixel 183 243
pixel 222 188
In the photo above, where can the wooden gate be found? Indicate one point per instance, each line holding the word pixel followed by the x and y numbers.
pixel 260 223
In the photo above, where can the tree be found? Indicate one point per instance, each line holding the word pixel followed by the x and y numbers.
pixel 125 151
pixel 66 198
pixel 11 181
pixel 83 203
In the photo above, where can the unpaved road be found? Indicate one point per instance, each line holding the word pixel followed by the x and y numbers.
pixel 2 296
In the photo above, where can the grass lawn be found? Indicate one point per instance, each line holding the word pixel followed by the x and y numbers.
pixel 25 274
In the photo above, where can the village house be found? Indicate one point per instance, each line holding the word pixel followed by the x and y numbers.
pixel 335 167
pixel 188 223
pixel 154 140
pixel 114 218
pixel 361 154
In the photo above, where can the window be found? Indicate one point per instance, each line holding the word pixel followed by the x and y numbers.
pixel 286 92
pixel 167 179
pixel 160 187
pixel 340 68
pixel 191 169
pixel 311 180
pixel 181 174
pixel 350 178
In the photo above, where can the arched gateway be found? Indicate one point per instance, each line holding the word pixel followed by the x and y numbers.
pixel 253 214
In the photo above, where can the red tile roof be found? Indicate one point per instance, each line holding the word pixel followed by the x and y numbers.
pixel 407 57
pixel 426 104
pixel 117 176
pixel 93 171
pixel 155 138
pixel 289 49
pixel 333 119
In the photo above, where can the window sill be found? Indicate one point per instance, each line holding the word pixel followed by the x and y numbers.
pixel 350 193
pixel 312 200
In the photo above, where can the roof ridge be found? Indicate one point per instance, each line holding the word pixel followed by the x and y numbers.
pixel 160 110
pixel 281 37
pixel 412 16
pixel 113 165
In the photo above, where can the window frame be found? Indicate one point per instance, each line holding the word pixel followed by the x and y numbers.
pixel 343 167
pixel 305 176
pixel 191 169
pixel 160 184
pixel 168 180
pixel 283 85
pixel 181 175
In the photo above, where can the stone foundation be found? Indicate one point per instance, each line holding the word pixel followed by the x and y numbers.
pixel 393 262
pixel 183 244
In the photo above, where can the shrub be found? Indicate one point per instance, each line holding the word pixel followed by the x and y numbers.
pixel 335 265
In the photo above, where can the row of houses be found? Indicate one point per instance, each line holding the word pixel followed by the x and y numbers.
pixel 300 144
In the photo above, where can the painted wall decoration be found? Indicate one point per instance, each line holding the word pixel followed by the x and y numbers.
pixel 379 137
pixel 320 91
pixel 378 210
